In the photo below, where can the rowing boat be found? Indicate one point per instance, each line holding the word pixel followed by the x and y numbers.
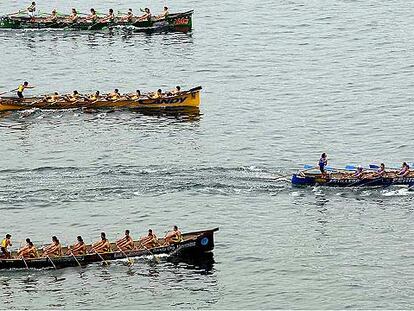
pixel 193 245
pixel 173 22
pixel 190 98
pixel 343 179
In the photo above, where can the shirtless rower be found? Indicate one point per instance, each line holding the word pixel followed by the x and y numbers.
pixel 79 248
pixel 128 17
pixel 146 16
pixel 126 243
pixel 150 240
pixel 54 249
pixel 404 171
pixel 102 246
pixel 5 243
pixel 173 236
pixel 73 17
pixel 28 251
pixel 109 18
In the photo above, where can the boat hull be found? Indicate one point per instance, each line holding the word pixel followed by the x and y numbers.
pixel 186 99
pixel 346 181
pixel 173 22
pixel 194 245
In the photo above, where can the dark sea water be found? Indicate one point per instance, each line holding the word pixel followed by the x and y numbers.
pixel 282 82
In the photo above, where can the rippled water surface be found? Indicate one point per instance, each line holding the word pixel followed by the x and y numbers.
pixel 282 82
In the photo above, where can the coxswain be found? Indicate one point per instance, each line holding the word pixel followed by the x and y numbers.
pixel 128 17
pixel 20 89
pixel 95 96
pixel 102 246
pixel 79 248
pixel 54 249
pixel 32 10
pixel 150 240
pixel 28 251
pixel 126 243
pixel 73 17
pixel 404 171
pixel 109 18
pixel 323 162
pixel 146 15
pixel 93 17
pixel 114 95
pixel 173 236
pixel 5 243
pixel 164 13
pixel 53 16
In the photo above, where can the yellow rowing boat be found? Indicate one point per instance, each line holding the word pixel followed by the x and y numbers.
pixel 190 98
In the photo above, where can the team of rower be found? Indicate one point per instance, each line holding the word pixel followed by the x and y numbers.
pixel 94 18
pixel 115 95
pixel 124 244
pixel 404 171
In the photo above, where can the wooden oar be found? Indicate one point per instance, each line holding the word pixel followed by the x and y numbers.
pixel 99 255
pixel 130 261
pixel 154 257
pixel 25 263
pixel 8 92
pixel 76 259
pixel 53 264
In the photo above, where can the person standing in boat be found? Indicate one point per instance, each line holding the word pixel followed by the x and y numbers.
pixel 5 243
pixel 31 10
pixel 102 246
pixel 404 171
pixel 126 243
pixel 77 249
pixel 20 89
pixel 54 249
pixel 323 162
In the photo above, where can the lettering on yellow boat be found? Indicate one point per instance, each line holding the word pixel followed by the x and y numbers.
pixel 174 100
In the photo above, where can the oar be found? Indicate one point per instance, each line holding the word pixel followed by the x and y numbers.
pixel 99 255
pixel 8 92
pixel 53 264
pixel 154 257
pixel 25 263
pixel 130 261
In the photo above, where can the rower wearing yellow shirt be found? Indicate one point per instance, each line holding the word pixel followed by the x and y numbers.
pixel 95 96
pixel 114 95
pixel 5 243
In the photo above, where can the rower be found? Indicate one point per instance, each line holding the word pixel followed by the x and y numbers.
pixel 28 251
pixel 176 91
pixel 323 162
pixel 77 249
pixel 380 172
pixel 404 171
pixel 20 89
pixel 74 96
pixel 95 96
pixel 53 16
pixel 157 94
pixel 146 15
pixel 54 249
pixel 32 10
pixel 128 17
pixel 93 17
pixel 53 98
pixel 135 96
pixel 102 246
pixel 126 243
pixel 73 17
pixel 359 172
pixel 173 236
pixel 164 13
pixel 5 243
pixel 150 240
pixel 109 18
pixel 114 95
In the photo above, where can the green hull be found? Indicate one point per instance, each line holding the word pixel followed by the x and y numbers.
pixel 173 22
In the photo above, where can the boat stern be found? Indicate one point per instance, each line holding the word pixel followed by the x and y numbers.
pixel 298 180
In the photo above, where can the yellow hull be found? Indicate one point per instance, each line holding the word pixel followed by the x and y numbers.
pixel 189 98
